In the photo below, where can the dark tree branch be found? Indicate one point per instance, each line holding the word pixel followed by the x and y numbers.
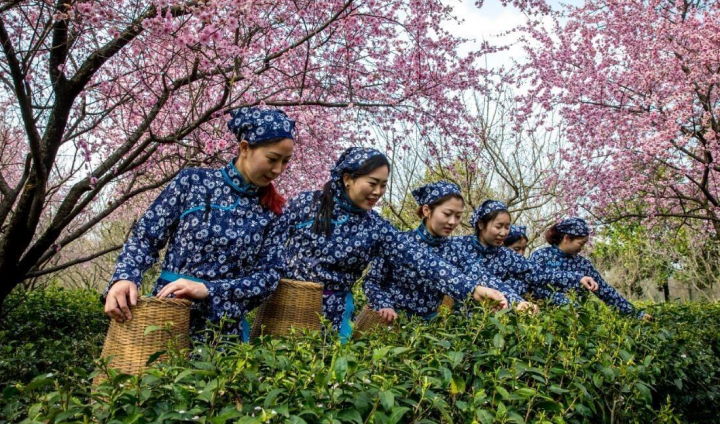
pixel 23 97
pixel 112 207
pixel 73 262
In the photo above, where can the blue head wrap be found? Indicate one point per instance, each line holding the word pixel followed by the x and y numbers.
pixel 427 194
pixel 517 231
pixel 255 125
pixel 351 160
pixel 486 208
pixel 574 227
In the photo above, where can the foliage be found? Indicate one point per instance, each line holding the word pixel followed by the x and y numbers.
pixel 628 246
pixel 658 255
pixel 565 365
pixel 50 332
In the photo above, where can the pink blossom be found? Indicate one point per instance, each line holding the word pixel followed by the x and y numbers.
pixel 630 82
pixel 155 94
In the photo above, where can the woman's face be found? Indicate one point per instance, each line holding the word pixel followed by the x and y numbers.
pixel 261 165
pixel 494 233
pixel 443 220
pixel 519 246
pixel 366 191
pixel 572 246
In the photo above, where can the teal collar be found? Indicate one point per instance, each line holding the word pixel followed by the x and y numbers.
pixel 344 202
pixel 426 236
pixel 559 253
pixel 235 180
pixel 482 249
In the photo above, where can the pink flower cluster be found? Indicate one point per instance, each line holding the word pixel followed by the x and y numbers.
pixel 636 86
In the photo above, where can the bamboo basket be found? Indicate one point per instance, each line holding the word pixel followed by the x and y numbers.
pixel 367 320
pixel 294 304
pixel 447 302
pixel 129 348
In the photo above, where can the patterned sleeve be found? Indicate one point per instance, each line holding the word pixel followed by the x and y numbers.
pixel 152 232
pixel 375 284
pixel 539 256
pixel 608 294
pixel 403 251
pixel 520 287
pixel 476 271
pixel 537 274
pixel 261 280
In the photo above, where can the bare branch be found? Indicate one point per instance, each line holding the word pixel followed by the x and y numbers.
pixel 74 262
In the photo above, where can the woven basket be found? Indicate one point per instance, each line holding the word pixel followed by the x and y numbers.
pixel 294 304
pixel 447 302
pixel 128 347
pixel 367 320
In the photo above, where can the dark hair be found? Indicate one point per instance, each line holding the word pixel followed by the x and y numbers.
pixel 438 202
pixel 489 218
pixel 509 241
pixel 323 222
pixel 554 236
pixel 269 196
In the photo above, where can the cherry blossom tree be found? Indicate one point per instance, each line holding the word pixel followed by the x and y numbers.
pixel 104 101
pixel 636 86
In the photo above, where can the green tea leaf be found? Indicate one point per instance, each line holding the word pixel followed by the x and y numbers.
pixel 499 341
pixel 397 414
pixel 154 357
pixel 387 400
pixel 350 416
pixel 457 385
pixel 152 328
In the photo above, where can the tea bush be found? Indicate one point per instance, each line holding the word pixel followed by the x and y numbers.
pixel 49 330
pixel 566 365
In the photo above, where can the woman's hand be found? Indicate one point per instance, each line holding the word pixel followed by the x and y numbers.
pixel 530 307
pixel 388 315
pixel 589 283
pixel 184 289
pixel 120 297
pixel 482 292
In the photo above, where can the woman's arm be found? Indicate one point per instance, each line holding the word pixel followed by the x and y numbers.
pixel 375 285
pixel 149 235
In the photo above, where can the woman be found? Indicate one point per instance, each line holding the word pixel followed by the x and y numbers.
pixel 517 239
pixel 491 222
pixel 567 239
pixel 214 221
pixel 390 288
pixel 330 236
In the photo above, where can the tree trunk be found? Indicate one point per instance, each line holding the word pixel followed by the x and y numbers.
pixel 10 281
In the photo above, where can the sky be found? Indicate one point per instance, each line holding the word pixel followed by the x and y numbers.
pixel 490 22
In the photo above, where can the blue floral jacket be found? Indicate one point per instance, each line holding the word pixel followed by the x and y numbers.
pixel 391 285
pixel 214 226
pixel 338 261
pixel 520 273
pixel 552 257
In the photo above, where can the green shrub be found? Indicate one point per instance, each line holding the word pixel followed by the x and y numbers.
pixel 53 332
pixel 563 366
